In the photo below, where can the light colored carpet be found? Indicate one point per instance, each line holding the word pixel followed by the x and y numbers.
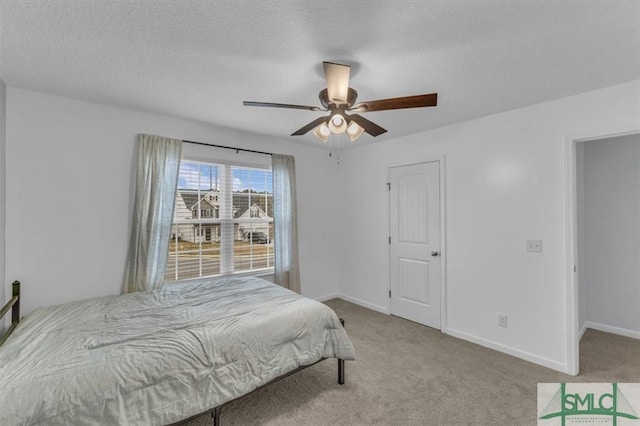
pixel 408 374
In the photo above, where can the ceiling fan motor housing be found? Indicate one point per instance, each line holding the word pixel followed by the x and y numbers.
pixel 324 99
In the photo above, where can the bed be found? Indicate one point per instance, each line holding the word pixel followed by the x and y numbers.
pixel 161 357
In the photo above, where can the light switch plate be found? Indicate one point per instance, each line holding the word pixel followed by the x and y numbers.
pixel 534 246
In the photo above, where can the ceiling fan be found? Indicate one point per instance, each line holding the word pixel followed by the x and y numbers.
pixel 339 99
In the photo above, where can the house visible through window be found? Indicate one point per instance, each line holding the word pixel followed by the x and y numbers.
pixel 223 221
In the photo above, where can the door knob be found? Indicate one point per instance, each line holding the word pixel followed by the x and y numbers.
pixel 435 253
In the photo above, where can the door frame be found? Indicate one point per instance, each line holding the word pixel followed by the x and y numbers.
pixel 443 241
pixel 571 239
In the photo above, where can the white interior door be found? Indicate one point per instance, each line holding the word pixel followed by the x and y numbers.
pixel 415 242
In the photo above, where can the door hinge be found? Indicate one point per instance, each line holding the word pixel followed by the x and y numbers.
pixel 389 185
pixel 389 294
pixel 575 268
pixel 389 239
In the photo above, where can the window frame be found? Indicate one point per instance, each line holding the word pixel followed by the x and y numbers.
pixel 227 167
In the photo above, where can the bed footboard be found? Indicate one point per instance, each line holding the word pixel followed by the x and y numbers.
pixel 14 305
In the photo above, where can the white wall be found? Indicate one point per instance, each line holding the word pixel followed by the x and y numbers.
pixel 505 183
pixel 3 99
pixel 612 232
pixel 69 195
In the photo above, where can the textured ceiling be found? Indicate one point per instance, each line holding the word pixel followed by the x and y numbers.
pixel 201 59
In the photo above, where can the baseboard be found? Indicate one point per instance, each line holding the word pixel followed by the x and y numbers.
pixel 611 329
pixel 362 303
pixel 582 331
pixel 527 356
pixel 549 363
pixel 327 297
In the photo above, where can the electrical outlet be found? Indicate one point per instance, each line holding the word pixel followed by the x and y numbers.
pixel 534 246
pixel 502 320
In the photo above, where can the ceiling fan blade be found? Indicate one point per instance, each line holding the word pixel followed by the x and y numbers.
pixel 337 76
pixel 369 126
pixel 417 101
pixel 315 123
pixel 274 105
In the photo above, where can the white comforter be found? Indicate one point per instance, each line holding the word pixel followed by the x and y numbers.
pixel 160 357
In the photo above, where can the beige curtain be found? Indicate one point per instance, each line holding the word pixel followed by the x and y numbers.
pixel 285 220
pixel 156 182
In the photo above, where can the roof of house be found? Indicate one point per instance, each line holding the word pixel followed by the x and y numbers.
pixel 241 201
pixel 191 199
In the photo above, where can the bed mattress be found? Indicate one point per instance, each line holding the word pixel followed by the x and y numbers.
pixel 153 358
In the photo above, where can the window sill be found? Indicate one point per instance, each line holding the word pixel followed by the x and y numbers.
pixel 266 273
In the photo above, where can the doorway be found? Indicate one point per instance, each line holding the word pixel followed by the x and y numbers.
pixel 604 289
pixel 608 235
pixel 416 240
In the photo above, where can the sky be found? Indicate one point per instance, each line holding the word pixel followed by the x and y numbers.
pixel 205 176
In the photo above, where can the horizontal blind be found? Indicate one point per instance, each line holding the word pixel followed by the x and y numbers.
pixel 223 221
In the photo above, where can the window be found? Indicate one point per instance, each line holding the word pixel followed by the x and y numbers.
pixel 223 221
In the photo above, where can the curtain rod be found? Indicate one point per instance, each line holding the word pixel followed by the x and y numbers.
pixel 228 147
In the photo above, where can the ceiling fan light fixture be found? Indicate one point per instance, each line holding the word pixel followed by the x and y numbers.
pixel 337 124
pixel 354 131
pixel 322 132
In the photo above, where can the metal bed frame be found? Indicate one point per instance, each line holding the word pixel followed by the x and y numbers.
pixel 14 305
